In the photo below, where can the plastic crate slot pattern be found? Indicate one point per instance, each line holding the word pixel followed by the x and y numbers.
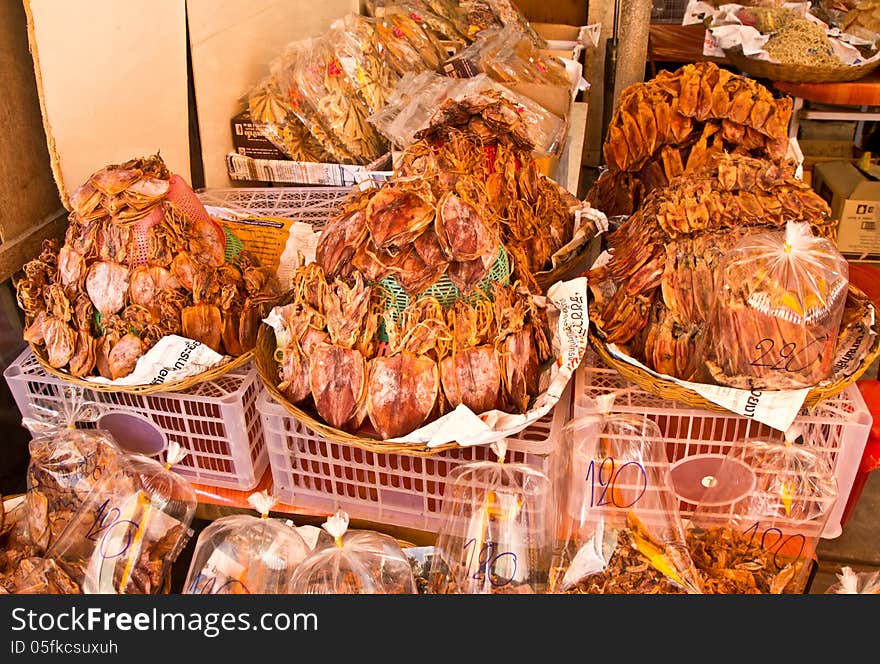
pixel 216 421
pixel 312 472
pixel 836 428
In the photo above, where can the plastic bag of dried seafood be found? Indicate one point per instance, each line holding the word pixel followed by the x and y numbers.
pixel 406 45
pixel 618 521
pixel 360 562
pixel 759 519
pixel 244 554
pixel 495 534
pixel 130 529
pixel 415 105
pixel 850 582
pixel 355 43
pixel 507 56
pixel 779 300
pixel 444 21
pixel 273 115
pixel 66 463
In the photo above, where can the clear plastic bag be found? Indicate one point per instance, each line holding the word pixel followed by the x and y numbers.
pixel 618 521
pixel 356 45
pixel 418 101
pixel 320 77
pixel 273 115
pixel 66 463
pixel 356 562
pixel 129 531
pixel 511 15
pixel 850 582
pixel 507 56
pixel 779 300
pixel 244 554
pixel 757 524
pixel 495 536
pixel 443 21
pixel 288 73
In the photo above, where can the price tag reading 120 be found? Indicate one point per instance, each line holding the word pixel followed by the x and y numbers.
pixel 619 486
pixel 500 568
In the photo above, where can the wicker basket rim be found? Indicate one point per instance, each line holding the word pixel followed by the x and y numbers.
pixel 798 73
pixel 171 386
pixel 266 366
pixel 669 389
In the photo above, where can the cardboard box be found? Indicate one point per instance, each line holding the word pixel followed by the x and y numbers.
pixel 854 198
pixel 567 41
pixel 248 140
pixel 262 172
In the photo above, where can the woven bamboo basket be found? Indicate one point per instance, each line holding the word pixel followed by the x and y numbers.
pixel 267 368
pixel 776 71
pixel 668 389
pixel 170 386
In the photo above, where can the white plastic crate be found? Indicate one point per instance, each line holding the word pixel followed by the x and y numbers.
pixel 312 205
pixel 216 421
pixel 837 429
pixel 312 472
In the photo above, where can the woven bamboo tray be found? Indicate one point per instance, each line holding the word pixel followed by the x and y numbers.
pixel 267 368
pixel 775 71
pixel 668 389
pixel 170 386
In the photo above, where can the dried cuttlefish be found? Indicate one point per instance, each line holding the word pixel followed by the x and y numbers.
pixel 141 259
pixel 671 124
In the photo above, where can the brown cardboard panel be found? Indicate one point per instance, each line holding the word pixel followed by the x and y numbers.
pixel 112 78
pixel 27 190
pixel 232 43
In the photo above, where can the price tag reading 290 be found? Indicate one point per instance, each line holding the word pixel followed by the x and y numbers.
pixel 617 485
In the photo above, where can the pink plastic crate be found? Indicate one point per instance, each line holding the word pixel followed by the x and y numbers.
pixel 216 421
pixel 837 429
pixel 312 472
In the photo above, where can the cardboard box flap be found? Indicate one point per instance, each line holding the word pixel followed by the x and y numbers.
pixel 112 79
pixel 845 180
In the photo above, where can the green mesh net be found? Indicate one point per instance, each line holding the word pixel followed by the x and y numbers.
pixel 396 299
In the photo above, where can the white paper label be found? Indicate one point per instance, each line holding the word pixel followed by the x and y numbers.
pixel 467 428
pixel 172 358
pixel 775 408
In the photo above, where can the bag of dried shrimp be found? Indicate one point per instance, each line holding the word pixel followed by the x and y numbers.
pixel 761 513
pixel 619 529
pixel 360 562
pixel 495 536
pixel 779 301
pixel 244 554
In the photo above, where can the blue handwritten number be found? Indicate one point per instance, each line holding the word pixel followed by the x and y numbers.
pixel 487 562
pixel 778 542
pixel 209 583
pixel 594 477
pixel 107 521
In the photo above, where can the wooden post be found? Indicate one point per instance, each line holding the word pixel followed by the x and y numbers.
pixel 632 51
pixel 602 12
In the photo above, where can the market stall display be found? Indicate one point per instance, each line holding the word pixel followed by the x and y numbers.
pixel 142 262
pixel 672 124
pixel 654 289
pixel 786 44
pixel 362 562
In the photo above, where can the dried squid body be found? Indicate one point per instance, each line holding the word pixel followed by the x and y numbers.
pixel 402 390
